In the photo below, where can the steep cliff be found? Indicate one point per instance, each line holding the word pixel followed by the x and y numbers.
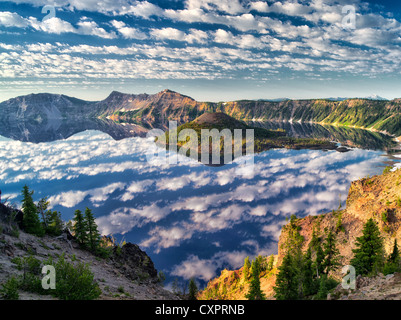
pixel 377 197
pixel 377 115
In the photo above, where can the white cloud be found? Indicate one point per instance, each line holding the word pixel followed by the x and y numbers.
pixel 12 19
pixel 123 220
pixel 70 199
pixel 128 32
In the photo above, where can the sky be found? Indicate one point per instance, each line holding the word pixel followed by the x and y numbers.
pixel 211 50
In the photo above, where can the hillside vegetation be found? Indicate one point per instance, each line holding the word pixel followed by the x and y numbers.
pixel 375 200
pixel 169 105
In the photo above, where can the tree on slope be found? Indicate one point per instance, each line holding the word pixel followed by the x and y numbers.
pixel 255 293
pixel 369 255
pixel 92 232
pixel 79 228
pixel 286 287
pixel 31 221
pixel 331 253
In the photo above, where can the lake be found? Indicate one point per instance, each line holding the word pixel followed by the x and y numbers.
pixel 192 220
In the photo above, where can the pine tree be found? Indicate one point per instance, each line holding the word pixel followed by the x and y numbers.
pixel 255 293
pixel 79 228
pixel 323 292
pixel 331 253
pixel 270 263
pixel 393 262
pixel 31 221
pixel 55 224
pixel 369 254
pixel 92 232
pixel 193 289
pixel 308 274
pixel 245 269
pixel 286 287
pixel 319 267
pixel 42 206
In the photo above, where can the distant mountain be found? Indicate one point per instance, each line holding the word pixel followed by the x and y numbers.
pixel 381 115
pixel 375 97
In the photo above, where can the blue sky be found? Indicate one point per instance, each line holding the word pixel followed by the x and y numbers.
pixel 212 50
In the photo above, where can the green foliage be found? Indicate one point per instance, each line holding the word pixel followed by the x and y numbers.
pixel 323 291
pixel 255 293
pixel 385 216
pixel 308 275
pixel 245 270
pixel 55 224
pixel 387 169
pixel 331 254
pixel 319 262
pixel 286 287
pixel 92 231
pixel 31 221
pixel 369 254
pixel 339 223
pixel 161 277
pixel 393 261
pixel 74 282
pixel 193 289
pixel 270 263
pixel 79 228
pixel 9 289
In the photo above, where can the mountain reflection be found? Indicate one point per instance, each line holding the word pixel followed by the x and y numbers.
pixel 59 129
pixel 193 220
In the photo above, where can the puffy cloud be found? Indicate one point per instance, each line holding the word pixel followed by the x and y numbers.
pixel 55 25
pixel 123 220
pixel 70 199
pixel 128 32
pixel 12 19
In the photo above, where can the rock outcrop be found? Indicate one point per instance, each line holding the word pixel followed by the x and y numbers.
pixel 377 197
pixel 128 274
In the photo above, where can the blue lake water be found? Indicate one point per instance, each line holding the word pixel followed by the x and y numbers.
pixel 193 220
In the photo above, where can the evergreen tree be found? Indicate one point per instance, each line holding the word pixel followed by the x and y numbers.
pixel 331 253
pixel 369 254
pixel 193 289
pixel 31 221
pixel 270 263
pixel 92 232
pixel 393 262
pixel 245 269
pixel 55 224
pixel 255 293
pixel 42 206
pixel 395 255
pixel 319 267
pixel 323 292
pixel 308 274
pixel 79 228
pixel 286 287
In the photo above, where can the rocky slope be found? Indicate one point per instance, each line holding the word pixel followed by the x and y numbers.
pixel 168 105
pixel 128 274
pixel 377 197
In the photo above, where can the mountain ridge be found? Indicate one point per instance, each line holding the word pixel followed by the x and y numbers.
pixel 376 115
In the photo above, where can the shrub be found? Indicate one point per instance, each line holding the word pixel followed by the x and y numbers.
pixel 9 290
pixel 74 282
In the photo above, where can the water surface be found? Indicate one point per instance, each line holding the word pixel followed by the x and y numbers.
pixel 193 220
